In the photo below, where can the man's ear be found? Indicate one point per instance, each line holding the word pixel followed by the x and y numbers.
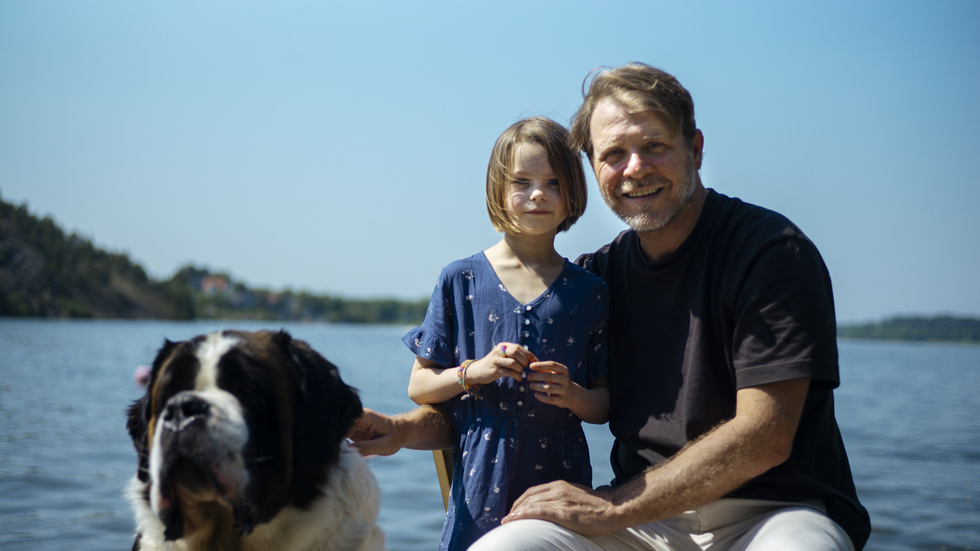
pixel 697 148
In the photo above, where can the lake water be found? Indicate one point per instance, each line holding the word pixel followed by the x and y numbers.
pixel 909 414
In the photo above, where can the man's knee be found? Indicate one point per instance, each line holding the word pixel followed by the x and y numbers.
pixel 526 535
pixel 797 530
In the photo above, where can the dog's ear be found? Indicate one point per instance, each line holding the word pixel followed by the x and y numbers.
pixel 326 409
pixel 138 428
pixel 138 415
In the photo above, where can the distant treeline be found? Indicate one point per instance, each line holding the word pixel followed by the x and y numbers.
pixel 219 296
pixel 45 272
pixel 917 328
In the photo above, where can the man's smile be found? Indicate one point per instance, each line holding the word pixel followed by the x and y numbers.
pixel 642 192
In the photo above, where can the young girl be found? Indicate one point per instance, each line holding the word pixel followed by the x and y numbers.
pixel 514 339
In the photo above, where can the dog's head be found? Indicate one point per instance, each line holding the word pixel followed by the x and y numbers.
pixel 236 426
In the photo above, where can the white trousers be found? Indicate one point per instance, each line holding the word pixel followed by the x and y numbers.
pixel 724 525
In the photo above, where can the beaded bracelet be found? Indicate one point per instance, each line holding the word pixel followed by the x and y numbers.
pixel 470 390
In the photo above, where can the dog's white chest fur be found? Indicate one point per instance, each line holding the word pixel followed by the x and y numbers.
pixel 345 522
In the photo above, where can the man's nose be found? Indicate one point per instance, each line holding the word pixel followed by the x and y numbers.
pixel 636 166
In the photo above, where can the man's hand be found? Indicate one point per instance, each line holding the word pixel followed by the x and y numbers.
pixel 588 512
pixel 375 433
pixel 423 428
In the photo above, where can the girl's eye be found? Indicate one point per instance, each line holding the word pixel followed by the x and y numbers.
pixel 553 182
pixel 521 182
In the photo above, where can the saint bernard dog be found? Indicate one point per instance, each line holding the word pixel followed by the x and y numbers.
pixel 241 444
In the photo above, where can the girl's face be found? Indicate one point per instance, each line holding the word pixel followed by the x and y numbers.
pixel 534 199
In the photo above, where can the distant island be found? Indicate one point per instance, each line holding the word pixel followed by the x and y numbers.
pixel 944 328
pixel 45 272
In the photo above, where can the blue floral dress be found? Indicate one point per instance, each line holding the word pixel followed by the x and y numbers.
pixel 507 441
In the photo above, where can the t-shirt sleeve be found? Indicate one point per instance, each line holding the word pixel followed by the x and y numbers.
pixel 785 327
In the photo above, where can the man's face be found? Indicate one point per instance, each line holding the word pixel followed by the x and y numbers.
pixel 646 174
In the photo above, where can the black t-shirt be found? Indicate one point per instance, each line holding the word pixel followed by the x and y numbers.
pixel 745 301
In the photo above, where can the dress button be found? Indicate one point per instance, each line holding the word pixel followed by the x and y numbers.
pixel 520 404
pixel 527 322
pixel 526 334
pixel 528 307
pixel 520 388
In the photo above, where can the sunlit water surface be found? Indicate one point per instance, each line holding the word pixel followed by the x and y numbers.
pixel 908 413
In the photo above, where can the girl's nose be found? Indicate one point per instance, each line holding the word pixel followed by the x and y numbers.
pixel 538 194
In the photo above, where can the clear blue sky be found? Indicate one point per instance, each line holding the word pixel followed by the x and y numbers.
pixel 341 147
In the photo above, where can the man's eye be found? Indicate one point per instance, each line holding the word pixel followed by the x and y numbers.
pixel 612 156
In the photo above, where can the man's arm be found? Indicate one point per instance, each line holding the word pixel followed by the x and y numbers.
pixel 758 438
pixel 423 428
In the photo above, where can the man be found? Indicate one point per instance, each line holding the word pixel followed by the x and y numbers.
pixel 722 358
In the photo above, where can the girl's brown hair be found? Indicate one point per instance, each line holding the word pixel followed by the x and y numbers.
pixel 564 161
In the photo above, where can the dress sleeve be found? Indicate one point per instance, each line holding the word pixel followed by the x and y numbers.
pixel 433 340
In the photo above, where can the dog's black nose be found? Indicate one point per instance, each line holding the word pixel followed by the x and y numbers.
pixel 183 409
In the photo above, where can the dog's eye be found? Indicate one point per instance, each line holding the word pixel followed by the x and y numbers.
pixel 233 374
pixel 246 378
pixel 178 376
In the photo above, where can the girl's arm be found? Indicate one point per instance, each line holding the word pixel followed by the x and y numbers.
pixel 552 385
pixel 430 383
pixel 593 402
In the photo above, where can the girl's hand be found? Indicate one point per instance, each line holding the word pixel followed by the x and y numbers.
pixel 551 383
pixel 505 360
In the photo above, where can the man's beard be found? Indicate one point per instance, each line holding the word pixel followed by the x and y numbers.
pixel 646 221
